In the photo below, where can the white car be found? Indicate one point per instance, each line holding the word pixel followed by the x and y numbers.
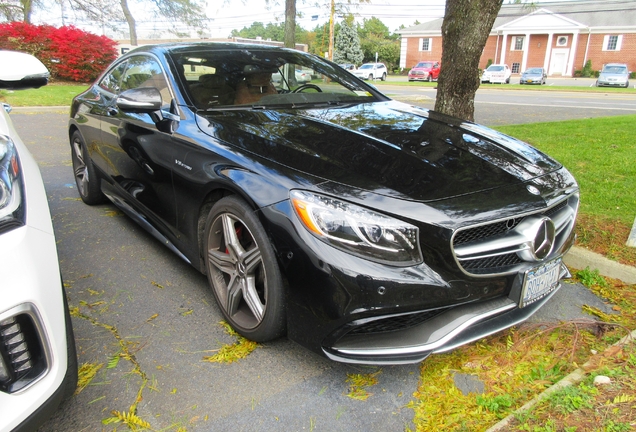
pixel 497 73
pixel 38 363
pixel 371 71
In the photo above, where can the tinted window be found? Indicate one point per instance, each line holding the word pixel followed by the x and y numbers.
pixel 111 80
pixel 144 71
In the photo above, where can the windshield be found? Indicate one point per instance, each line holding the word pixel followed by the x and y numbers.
pixel 494 68
pixel 534 71
pixel 615 69
pixel 366 66
pixel 424 65
pixel 265 77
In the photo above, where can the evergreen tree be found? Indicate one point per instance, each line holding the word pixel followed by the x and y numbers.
pixel 347 44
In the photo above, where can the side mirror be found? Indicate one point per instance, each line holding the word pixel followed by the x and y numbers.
pixel 20 71
pixel 145 100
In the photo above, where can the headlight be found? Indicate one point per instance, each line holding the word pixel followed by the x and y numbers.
pixel 11 210
pixel 354 229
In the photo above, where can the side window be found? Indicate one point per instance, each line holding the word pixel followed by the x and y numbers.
pixel 111 80
pixel 144 71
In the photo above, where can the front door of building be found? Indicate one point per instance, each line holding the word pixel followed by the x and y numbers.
pixel 558 62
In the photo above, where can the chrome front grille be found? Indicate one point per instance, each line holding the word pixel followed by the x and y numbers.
pixel 499 247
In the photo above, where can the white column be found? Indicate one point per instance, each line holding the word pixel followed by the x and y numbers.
pixel 548 51
pixel 504 48
pixel 403 46
pixel 575 40
pixel 526 49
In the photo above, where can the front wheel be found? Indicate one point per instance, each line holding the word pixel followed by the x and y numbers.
pixel 383 77
pixel 430 78
pixel 85 174
pixel 243 271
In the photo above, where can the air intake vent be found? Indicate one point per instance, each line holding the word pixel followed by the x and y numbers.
pixel 21 355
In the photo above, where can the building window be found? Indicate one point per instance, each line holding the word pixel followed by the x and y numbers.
pixel 612 42
pixel 426 44
pixel 518 43
pixel 515 68
pixel 562 41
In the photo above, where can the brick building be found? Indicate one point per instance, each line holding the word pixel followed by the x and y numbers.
pixel 559 36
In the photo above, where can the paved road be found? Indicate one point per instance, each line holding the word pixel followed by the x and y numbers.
pixel 140 300
pixel 498 107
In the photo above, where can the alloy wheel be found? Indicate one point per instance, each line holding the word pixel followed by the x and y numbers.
pixel 80 168
pixel 238 274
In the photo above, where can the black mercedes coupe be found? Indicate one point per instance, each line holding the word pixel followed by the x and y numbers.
pixel 367 230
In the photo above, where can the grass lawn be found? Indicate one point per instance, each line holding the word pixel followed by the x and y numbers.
pixel 51 95
pixel 601 154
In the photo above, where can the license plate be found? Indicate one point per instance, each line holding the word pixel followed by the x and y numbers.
pixel 539 282
pixel 529 80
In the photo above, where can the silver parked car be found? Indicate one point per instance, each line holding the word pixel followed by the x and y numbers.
pixel 613 75
pixel 533 76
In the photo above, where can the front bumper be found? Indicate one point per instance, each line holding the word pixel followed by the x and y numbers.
pixel 450 329
pixel 419 77
pixel 600 83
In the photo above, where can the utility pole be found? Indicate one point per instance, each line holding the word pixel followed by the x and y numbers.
pixel 331 24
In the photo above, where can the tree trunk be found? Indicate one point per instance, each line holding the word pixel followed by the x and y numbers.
pixel 131 22
pixel 27 7
pixel 466 27
pixel 290 23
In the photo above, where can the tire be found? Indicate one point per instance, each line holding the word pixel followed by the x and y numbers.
pixel 383 77
pixel 370 77
pixel 243 272
pixel 85 175
pixel 430 78
pixel 508 81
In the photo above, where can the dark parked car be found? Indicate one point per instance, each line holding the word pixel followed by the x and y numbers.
pixel 533 76
pixel 368 230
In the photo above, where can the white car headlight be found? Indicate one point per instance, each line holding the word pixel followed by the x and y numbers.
pixel 11 211
pixel 359 231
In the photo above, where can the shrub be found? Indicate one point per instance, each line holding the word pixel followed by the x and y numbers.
pixel 587 69
pixel 68 52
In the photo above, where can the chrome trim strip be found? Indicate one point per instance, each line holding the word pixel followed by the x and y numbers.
pixel 438 331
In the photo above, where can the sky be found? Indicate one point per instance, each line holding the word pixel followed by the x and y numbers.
pixel 392 13
pixel 227 15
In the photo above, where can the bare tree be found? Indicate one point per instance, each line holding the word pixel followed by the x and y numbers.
pixel 18 10
pixel 466 27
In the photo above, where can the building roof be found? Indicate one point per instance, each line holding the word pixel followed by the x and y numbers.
pixel 593 14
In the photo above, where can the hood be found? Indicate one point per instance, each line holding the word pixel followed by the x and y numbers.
pixel 387 148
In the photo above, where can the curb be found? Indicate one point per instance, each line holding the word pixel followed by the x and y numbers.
pixel 580 258
pixel 573 378
pixel 40 108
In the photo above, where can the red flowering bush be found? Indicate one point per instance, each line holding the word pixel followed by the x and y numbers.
pixel 68 52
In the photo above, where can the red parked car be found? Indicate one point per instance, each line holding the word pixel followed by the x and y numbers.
pixel 425 71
